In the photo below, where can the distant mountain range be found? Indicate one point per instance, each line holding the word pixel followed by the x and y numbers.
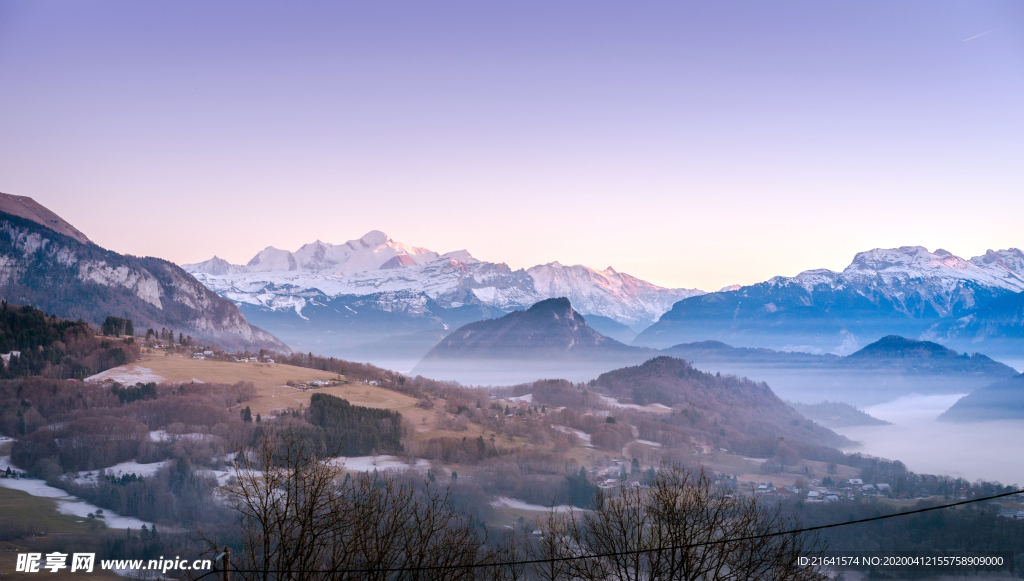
pixel 551 340
pixel 380 300
pixel 374 293
pixel 887 369
pixel 47 263
pixel 906 291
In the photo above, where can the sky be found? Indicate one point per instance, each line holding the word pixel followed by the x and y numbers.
pixel 691 144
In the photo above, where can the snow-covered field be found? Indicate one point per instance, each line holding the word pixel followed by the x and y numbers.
pixel 648 443
pixel 580 433
pixel 128 375
pixel 76 507
pixel 503 502
pixel 131 467
pixel 528 398
pixel 652 407
pixel 67 504
pixel 163 436
pixel 384 462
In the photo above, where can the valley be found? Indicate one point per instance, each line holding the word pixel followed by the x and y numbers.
pixel 513 402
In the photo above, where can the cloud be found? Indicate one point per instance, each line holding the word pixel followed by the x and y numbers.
pixel 982 34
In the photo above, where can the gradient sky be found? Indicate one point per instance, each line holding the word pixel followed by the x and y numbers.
pixel 692 144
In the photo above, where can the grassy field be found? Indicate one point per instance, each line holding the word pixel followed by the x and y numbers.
pixel 21 513
pixel 263 375
pixel 22 510
pixel 274 395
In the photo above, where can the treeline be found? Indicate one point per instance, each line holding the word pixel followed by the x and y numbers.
pixel 70 426
pixel 118 326
pixel 55 348
pixel 83 444
pixel 418 387
pixel 175 494
pixel 355 430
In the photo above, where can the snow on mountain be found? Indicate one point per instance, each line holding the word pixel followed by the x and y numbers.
pixel 367 253
pixel 1008 263
pixel 448 281
pixel 909 291
pixel 608 293
pixel 215 265
pixel 278 279
pixel 940 278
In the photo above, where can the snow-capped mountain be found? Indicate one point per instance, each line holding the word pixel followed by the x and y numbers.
pixel 910 274
pixel 607 293
pixel 907 291
pixel 321 282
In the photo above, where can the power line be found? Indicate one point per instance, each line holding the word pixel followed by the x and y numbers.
pixel 633 552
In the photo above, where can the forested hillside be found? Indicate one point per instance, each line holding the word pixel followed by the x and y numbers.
pixel 731 411
pixel 38 344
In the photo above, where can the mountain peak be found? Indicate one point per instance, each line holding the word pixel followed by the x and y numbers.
pixel 895 346
pixel 550 330
pixel 555 304
pixel 375 238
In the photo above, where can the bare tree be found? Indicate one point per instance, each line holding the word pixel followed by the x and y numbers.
pixel 303 519
pixel 288 503
pixel 684 527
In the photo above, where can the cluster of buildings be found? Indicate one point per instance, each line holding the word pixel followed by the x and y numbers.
pixel 852 489
pixel 316 383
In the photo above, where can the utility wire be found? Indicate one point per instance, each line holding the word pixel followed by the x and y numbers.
pixel 634 552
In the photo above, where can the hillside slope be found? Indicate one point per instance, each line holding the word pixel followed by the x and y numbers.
pixel 62 275
pixel 550 339
pixel 739 407
pixel 1003 400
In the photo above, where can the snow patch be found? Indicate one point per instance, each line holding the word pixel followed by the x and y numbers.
pixel 504 502
pixel 71 505
pixel 379 463
pixel 127 374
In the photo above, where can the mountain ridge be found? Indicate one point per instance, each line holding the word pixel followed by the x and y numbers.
pixel 309 297
pixel 60 274
pixel 375 263
pixel 907 291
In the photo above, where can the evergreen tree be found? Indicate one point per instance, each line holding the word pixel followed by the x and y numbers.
pixel 258 418
pixel 635 467
pixel 247 415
